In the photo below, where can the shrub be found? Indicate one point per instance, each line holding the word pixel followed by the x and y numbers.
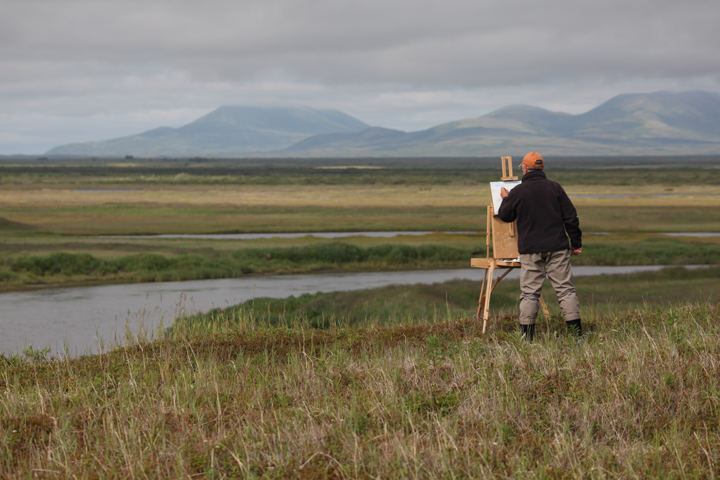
pixel 147 262
pixel 393 253
pixel 335 252
pixel 59 263
pixel 7 275
pixel 339 253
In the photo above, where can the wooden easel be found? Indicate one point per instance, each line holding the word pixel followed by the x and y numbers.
pixel 505 252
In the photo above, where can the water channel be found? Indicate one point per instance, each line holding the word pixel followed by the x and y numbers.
pixel 77 318
pixel 257 236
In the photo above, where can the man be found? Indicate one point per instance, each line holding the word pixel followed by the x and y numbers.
pixel 545 219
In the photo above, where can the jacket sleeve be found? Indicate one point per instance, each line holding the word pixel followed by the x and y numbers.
pixel 571 220
pixel 507 212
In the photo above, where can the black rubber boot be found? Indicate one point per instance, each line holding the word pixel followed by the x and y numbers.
pixel 528 332
pixel 575 326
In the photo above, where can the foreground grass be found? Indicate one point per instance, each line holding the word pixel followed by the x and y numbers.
pixel 638 398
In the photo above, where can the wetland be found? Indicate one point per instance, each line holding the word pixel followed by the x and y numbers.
pixel 331 377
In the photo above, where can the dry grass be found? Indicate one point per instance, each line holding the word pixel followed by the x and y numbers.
pixel 638 398
pixel 231 398
pixel 263 208
pixel 350 196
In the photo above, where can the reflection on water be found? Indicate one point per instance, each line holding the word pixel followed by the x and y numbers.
pixel 77 317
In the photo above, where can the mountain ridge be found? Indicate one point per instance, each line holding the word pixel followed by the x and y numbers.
pixel 628 124
pixel 664 123
pixel 226 130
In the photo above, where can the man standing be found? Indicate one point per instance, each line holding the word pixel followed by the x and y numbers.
pixel 545 219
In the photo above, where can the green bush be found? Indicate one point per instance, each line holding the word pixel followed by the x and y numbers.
pixel 60 264
pixel 650 252
pixel 335 252
pixel 7 275
pixel 393 253
pixel 441 253
pixel 147 262
pixel 189 262
pixel 341 253
pixel 152 267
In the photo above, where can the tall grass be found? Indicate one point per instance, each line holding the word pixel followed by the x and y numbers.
pixel 150 267
pixel 640 397
pixel 68 268
pixel 653 251
pixel 341 253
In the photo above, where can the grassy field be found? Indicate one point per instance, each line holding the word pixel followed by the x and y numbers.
pixel 55 212
pixel 388 383
pixel 94 198
pixel 310 208
pixel 414 395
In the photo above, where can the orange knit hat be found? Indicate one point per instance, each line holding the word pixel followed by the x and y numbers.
pixel 533 159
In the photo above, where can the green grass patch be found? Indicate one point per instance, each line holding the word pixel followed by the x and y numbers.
pixel 69 268
pixel 144 267
pixel 649 218
pixel 432 303
pixel 343 253
pixel 150 219
pixel 652 251
pixel 64 268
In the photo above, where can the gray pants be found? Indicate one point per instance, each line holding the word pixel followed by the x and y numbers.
pixel 532 274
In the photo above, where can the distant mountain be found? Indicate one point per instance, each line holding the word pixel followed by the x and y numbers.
pixel 229 130
pixel 377 137
pixel 660 123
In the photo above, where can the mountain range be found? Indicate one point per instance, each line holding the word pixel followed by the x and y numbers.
pixel 228 130
pixel 660 123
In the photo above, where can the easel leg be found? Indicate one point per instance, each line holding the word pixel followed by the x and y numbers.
pixel 486 312
pixel 544 307
pixel 481 301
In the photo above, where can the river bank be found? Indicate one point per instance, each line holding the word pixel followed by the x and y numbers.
pixel 315 256
pixel 90 319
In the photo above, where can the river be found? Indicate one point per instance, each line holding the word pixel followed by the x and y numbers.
pixel 256 236
pixel 81 318
pixel 392 234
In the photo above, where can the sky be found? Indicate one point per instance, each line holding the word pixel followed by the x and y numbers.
pixel 86 70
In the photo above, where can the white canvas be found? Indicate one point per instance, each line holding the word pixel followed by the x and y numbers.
pixel 495 190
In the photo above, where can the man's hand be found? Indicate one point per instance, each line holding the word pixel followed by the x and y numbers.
pixel 576 251
pixel 503 192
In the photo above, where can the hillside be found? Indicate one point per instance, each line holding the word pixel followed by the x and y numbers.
pixel 227 130
pixel 659 123
pixel 413 390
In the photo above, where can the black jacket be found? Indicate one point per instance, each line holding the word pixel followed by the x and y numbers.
pixel 545 215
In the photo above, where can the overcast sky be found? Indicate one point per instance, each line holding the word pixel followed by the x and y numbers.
pixel 73 70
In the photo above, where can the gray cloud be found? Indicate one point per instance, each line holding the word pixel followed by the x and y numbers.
pixel 404 64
